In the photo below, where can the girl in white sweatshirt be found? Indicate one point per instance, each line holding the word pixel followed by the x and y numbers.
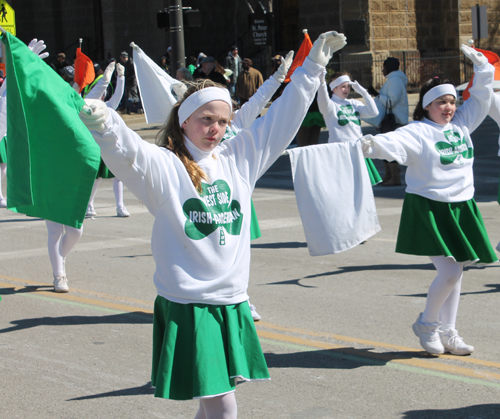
pixel 343 116
pixel 204 337
pixel 440 218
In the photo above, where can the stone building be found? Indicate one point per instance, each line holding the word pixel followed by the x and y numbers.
pixel 412 30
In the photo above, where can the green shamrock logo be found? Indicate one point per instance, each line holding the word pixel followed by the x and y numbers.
pixel 455 150
pixel 213 210
pixel 348 114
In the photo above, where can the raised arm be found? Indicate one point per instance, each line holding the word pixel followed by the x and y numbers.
pixel 369 108
pixel 475 109
pixel 114 100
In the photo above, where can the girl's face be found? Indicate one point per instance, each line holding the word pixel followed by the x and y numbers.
pixel 442 109
pixel 206 126
pixel 342 90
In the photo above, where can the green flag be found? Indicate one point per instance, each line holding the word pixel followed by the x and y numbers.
pixel 52 157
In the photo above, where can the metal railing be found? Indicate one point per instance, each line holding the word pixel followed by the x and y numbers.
pixel 419 66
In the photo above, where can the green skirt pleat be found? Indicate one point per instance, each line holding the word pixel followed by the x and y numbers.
pixel 313 119
pixel 104 172
pixel 254 225
pixel 372 172
pixel 3 150
pixel 433 228
pixel 201 349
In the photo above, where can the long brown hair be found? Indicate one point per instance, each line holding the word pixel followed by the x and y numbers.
pixel 171 135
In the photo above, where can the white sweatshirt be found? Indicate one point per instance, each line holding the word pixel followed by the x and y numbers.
pixel 343 116
pixel 201 244
pixel 440 158
pixel 494 112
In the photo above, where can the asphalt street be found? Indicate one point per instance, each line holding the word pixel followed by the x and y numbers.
pixel 335 330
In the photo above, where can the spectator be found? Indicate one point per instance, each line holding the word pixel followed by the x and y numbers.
pixel 192 64
pixel 249 80
pixel 183 74
pixel 233 62
pixel 131 101
pixel 98 75
pixel 198 72
pixel 61 62
pixel 208 68
pixel 163 63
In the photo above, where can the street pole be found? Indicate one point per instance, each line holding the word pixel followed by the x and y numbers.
pixel 176 36
pixel 478 26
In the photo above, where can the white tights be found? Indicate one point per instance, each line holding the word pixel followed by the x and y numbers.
pixel 117 189
pixel 61 239
pixel 3 173
pixel 219 407
pixel 444 293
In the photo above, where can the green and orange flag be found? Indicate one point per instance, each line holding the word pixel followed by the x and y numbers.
pixel 52 157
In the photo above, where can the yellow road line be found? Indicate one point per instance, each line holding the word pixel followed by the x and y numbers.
pixel 433 365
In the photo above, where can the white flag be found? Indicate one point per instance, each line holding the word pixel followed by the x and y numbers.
pixel 155 86
pixel 334 196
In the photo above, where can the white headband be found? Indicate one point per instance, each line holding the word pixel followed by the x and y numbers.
pixel 200 98
pixel 339 80
pixel 438 91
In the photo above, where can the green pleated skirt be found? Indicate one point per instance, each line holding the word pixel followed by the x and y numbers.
pixel 201 350
pixel 3 150
pixel 433 228
pixel 372 172
pixel 254 225
pixel 104 172
pixel 313 119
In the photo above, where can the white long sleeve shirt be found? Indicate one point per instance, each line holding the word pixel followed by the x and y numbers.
pixel 201 243
pixel 494 112
pixel 343 116
pixel 440 158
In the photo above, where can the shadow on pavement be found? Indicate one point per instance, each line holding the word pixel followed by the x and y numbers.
pixel 346 269
pixel 494 288
pixel 123 318
pixel 344 358
pixel 133 391
pixel 285 245
pixel 479 411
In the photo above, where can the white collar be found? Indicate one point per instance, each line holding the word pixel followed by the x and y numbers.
pixel 197 153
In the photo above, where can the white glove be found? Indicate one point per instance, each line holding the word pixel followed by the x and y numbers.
pixel 120 70
pixel 358 88
pixel 366 143
pixel 179 89
pixel 324 47
pixel 134 46
pixel 476 57
pixel 37 47
pixel 282 71
pixel 94 114
pixel 322 76
pixel 109 72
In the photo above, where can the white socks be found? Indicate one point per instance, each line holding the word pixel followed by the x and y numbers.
pixel 219 407
pixel 444 293
pixel 118 191
pixel 61 239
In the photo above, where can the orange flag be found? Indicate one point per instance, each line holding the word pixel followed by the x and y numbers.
pixel 301 55
pixel 84 69
pixel 494 60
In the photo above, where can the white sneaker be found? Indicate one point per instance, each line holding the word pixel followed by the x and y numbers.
pixel 90 211
pixel 122 212
pixel 3 203
pixel 255 316
pixel 61 284
pixel 453 343
pixel 428 334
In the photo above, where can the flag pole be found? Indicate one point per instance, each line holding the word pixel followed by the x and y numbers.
pixel 80 41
